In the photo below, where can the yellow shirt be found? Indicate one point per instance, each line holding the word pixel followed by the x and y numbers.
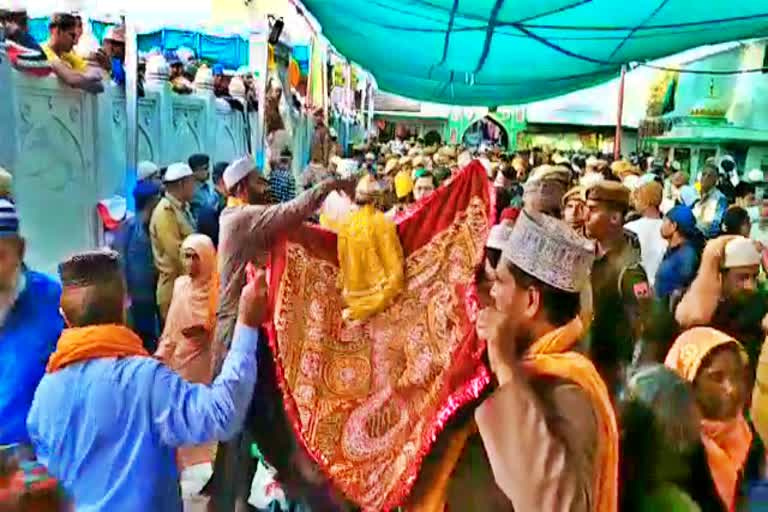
pixel 71 59
pixel 371 262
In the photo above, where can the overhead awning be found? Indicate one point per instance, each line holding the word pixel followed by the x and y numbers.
pixel 497 52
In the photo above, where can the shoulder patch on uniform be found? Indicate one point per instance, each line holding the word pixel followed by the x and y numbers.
pixel 641 290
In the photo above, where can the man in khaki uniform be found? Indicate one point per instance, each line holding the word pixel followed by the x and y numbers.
pixel 171 223
pixel 621 294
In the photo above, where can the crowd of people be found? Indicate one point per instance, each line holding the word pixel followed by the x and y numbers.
pixel 83 66
pixel 622 304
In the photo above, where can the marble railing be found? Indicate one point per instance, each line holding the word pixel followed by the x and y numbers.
pixel 67 150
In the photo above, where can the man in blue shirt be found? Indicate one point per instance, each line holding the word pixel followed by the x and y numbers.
pixel 30 324
pixel 107 417
pixel 134 245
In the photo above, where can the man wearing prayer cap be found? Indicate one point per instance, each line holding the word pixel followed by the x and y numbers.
pixel 6 184
pixel 250 224
pixel 147 170
pixel 543 191
pixel 550 403
pixel 726 293
pixel 172 221
pixel 30 324
pixel 106 403
pixel 622 294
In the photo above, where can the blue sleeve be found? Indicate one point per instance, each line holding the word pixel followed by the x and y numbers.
pixel 186 413
pixel 717 221
pixel 689 266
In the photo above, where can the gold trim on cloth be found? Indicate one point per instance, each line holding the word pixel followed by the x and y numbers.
pixel 368 393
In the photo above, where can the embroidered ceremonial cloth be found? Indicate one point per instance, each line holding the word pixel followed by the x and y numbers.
pixel 368 399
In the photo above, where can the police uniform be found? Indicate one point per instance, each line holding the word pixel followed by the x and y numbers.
pixel 621 296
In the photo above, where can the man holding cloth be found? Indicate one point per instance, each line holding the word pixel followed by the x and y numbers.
pixel 107 417
pixel 249 225
pixel 546 438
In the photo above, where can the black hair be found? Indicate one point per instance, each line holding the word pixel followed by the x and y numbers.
pixel 743 189
pixel 560 307
pixel 734 219
pixel 640 433
pixel 493 256
pixel 218 171
pixel 62 21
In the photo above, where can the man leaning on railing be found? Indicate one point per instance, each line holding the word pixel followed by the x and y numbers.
pixel 71 69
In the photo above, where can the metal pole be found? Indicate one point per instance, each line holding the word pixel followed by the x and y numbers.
pixel 619 115
pixel 131 109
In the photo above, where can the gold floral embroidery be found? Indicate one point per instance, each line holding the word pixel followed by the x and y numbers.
pixel 367 392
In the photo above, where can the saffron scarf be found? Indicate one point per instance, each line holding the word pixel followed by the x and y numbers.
pixel 550 356
pixel 80 344
pixel 726 442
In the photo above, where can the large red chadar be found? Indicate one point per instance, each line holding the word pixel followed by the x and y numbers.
pixel 368 399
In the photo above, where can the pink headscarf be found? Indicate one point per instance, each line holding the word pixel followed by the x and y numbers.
pixel 194 304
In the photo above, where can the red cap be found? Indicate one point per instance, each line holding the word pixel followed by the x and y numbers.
pixel 510 214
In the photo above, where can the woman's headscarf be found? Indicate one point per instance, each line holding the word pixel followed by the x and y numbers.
pixel 194 303
pixel 726 442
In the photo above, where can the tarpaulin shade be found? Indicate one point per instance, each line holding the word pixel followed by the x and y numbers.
pixel 497 52
pixel 231 52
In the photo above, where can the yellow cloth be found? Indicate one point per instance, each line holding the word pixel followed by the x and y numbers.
pixel 94 342
pixel 403 184
pixel 371 262
pixel 233 202
pixel 72 59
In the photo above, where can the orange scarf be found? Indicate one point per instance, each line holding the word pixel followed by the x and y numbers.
pixel 727 444
pixel 85 343
pixel 550 356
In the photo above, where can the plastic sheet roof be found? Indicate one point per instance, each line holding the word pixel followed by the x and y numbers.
pixel 501 52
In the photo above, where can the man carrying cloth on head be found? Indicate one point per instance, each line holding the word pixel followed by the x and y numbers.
pixel 249 225
pixel 107 417
pixel 546 438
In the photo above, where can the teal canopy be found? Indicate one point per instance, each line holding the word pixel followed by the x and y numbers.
pixel 497 52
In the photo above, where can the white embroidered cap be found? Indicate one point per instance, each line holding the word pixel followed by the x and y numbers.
pixel 146 169
pixel 549 250
pixel 498 236
pixel 176 172
pixel 741 252
pixel 237 170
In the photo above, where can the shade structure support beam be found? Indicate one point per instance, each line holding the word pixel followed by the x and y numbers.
pixel 619 115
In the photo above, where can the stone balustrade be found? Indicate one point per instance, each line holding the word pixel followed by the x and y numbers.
pixel 67 149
